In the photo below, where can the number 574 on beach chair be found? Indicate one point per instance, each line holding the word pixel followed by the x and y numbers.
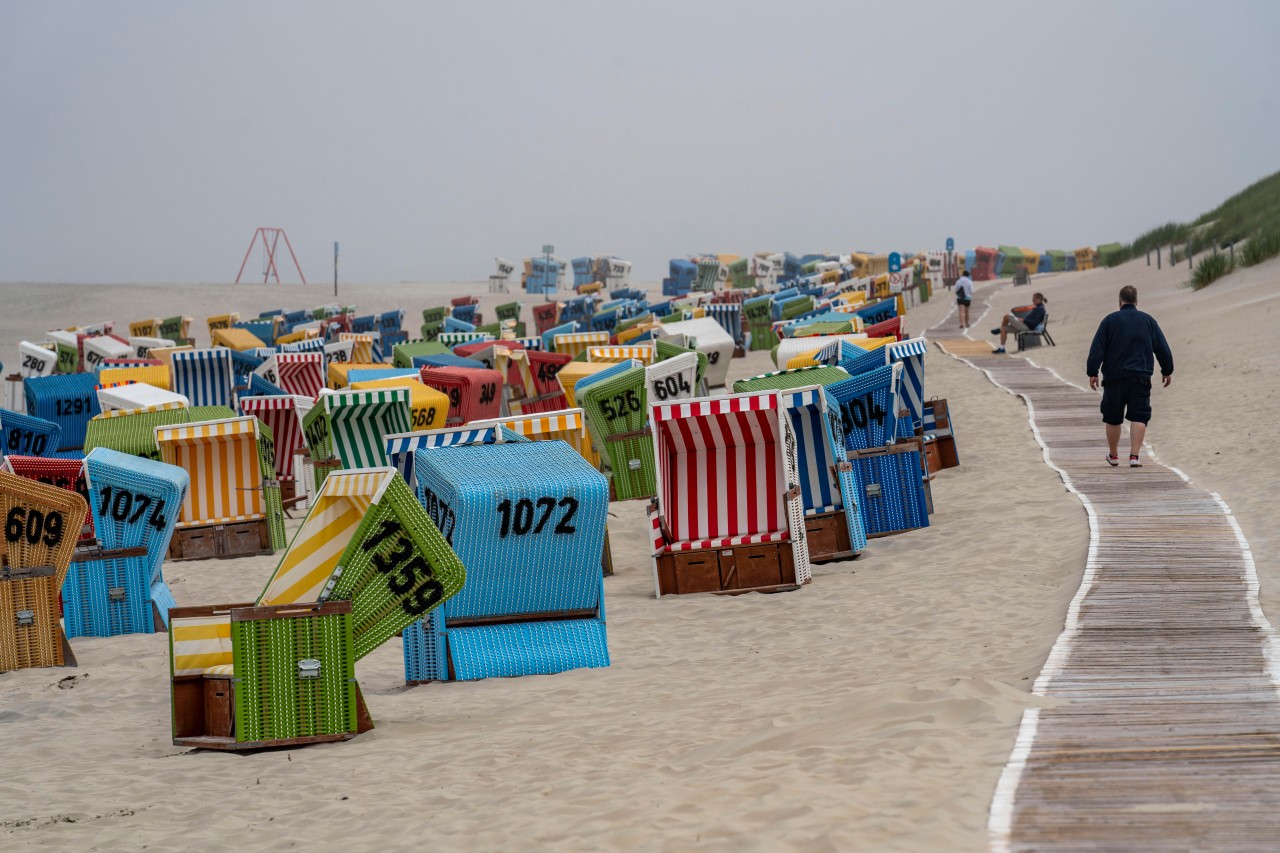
pixel 364 565
pixel 728 514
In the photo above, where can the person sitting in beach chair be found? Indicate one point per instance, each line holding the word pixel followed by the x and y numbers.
pixel 1032 321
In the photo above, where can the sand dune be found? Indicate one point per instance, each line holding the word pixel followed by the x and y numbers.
pixel 871 710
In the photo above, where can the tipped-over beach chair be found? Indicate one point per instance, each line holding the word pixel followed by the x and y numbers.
pixel 236 339
pixel 205 376
pixel 102 347
pixel 137 395
pixel 155 375
pixel 225 513
pixel 828 484
pixel 135 506
pixel 528 521
pixel 68 401
pixel 42 523
pixel 28 435
pixel 893 494
pixel 475 394
pixel 728 515
pixel 365 564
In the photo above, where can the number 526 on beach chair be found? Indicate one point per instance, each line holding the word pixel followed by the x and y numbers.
pixel 366 563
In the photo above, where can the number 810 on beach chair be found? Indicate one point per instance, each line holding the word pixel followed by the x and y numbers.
pixel 728 515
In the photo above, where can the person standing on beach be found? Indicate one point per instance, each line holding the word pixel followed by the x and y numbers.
pixel 1122 349
pixel 964 298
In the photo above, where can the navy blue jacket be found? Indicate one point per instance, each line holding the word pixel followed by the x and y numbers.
pixel 1034 317
pixel 1124 343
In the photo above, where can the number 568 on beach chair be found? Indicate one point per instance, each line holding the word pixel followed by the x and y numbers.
pixel 364 565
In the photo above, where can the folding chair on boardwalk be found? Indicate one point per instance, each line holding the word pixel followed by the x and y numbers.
pixel 528 521
pixel 728 515
pixel 365 564
pixel 119 588
pixel 42 523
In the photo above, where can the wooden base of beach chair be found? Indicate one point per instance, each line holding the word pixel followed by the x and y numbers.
pixel 739 352
pixel 288 491
pixel 218 541
pixel 828 535
pixel 204 717
pixel 767 567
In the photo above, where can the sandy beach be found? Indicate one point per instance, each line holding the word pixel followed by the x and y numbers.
pixel 872 710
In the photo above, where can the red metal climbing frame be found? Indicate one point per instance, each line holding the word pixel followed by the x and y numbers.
pixel 270 240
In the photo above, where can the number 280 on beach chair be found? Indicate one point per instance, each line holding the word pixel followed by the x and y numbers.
pixel 728 516
pixel 365 564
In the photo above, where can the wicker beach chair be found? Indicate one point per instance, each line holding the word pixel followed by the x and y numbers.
pixel 68 401
pixel 225 513
pixel 132 431
pixel 616 405
pixel 710 339
pixel 401 448
pixel 528 521
pixel 794 378
pixel 299 373
pixel 137 395
pixel 728 514
pixel 428 408
pixel 283 415
pixel 828 484
pixel 35 360
pixel 64 473
pixel 135 507
pixel 350 426
pixel 102 347
pixel 893 496
pixel 870 407
pixel 42 523
pixel 642 353
pixel 576 343
pixel 545 317
pixel 362 347
pixel 910 354
pixel 402 355
pixel 365 564
pixel 474 394
pixel 205 377
pixel 237 339
pixel 28 435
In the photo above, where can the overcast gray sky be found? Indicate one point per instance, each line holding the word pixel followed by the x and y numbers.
pixel 146 141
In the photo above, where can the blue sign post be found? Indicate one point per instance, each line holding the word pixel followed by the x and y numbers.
pixel 951 244
pixel 895 262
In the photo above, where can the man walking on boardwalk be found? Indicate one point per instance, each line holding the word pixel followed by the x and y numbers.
pixel 1122 349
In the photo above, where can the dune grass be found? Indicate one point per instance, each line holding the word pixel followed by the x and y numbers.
pixel 1251 215
pixel 1211 268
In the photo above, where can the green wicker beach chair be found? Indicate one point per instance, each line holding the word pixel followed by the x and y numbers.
pixel 618 413
pixel 785 379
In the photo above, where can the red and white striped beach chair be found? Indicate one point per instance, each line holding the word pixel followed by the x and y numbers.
pixel 728 515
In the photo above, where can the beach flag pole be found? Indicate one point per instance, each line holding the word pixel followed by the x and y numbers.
pixel 335 267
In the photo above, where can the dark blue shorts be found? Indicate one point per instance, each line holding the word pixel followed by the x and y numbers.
pixel 1126 398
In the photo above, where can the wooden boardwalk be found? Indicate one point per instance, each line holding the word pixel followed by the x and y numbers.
pixel 1166 732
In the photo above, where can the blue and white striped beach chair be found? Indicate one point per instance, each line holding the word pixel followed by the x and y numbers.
pixel 205 376
pixel 910 353
pixel 828 483
pixel 869 407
